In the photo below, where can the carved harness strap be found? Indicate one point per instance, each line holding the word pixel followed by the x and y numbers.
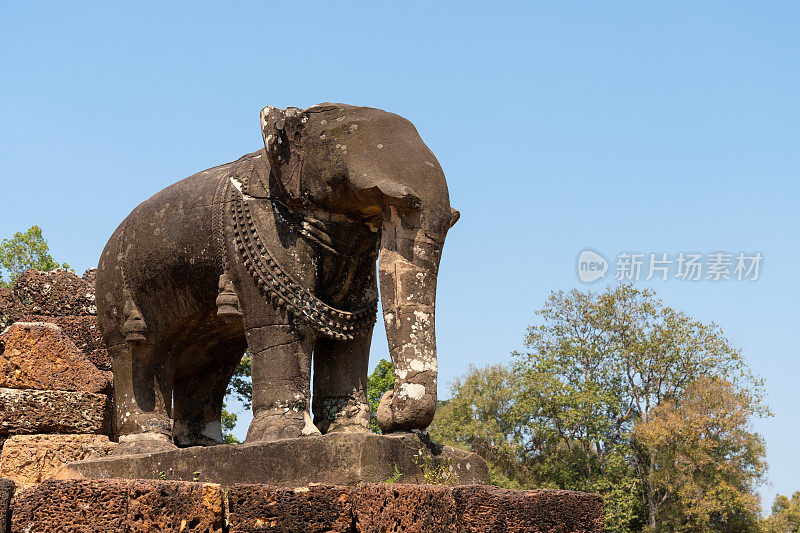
pixel 281 288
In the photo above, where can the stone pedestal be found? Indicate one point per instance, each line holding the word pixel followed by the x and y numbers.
pixel 334 459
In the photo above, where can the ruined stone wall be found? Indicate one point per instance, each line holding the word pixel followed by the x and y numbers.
pixel 55 376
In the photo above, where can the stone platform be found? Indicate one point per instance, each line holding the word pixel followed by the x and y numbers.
pixel 334 459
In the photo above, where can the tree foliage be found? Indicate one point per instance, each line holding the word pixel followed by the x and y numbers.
pixel 597 402
pixel 241 384
pixel 706 458
pixel 23 251
pixel 240 388
pixel 228 421
pixel 785 515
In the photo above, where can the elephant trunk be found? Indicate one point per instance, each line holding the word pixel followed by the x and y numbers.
pixel 408 267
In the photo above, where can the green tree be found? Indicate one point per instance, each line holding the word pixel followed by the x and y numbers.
pixel 596 367
pixel 23 251
pixel 785 515
pixel 706 459
pixel 598 364
pixel 380 381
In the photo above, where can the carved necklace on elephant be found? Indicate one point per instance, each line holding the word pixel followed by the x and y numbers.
pixel 282 289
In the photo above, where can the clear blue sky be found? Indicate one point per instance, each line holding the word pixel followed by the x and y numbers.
pixel 616 126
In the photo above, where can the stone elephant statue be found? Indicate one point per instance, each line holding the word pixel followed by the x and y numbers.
pixel 275 253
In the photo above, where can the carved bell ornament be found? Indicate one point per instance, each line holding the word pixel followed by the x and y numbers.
pixel 227 301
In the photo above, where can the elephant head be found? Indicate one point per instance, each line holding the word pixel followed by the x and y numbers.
pixel 372 166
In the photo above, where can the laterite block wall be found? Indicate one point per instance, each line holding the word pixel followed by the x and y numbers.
pixel 155 505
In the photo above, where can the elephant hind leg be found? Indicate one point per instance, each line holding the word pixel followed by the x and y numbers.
pixel 340 384
pixel 142 394
pixel 199 394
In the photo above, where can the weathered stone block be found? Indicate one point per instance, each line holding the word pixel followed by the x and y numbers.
pixel 78 505
pixel 6 493
pixel 174 506
pixel 55 293
pixel 317 508
pixel 26 411
pixel 117 505
pixel 84 332
pixel 38 355
pixel 401 507
pixel 487 508
pixel 30 459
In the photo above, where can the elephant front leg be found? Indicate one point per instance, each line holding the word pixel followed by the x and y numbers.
pixel 340 384
pixel 281 370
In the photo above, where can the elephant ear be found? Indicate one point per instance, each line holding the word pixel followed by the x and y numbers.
pixel 282 131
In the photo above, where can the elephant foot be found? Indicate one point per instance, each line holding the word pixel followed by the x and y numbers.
pixel 149 442
pixel 276 424
pixel 402 413
pixel 344 415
